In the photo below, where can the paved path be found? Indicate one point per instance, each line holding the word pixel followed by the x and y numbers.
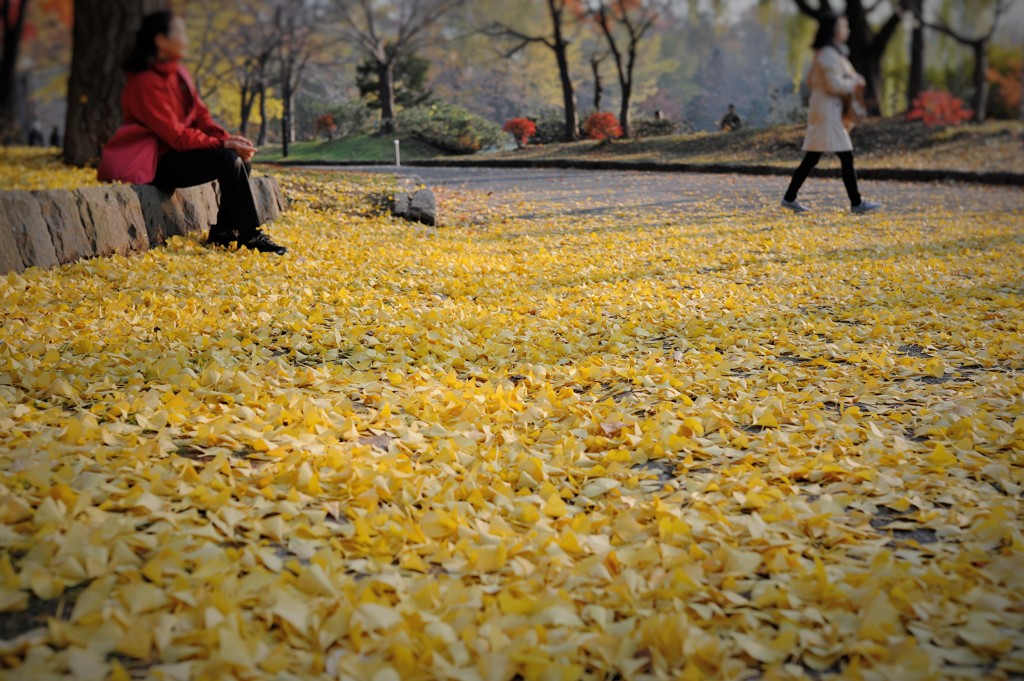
pixel 587 191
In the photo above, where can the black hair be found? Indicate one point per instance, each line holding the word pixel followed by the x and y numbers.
pixel 143 54
pixel 826 30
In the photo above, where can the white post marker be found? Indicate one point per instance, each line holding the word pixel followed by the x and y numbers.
pixel 398 153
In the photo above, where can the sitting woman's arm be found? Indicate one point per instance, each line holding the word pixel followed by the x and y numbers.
pixel 146 101
pixel 205 122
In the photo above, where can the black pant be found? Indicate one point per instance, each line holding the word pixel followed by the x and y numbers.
pixel 237 213
pixel 811 160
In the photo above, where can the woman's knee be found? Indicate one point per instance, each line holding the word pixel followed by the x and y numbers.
pixel 811 159
pixel 228 160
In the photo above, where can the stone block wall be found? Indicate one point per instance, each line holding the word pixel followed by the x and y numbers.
pixel 51 228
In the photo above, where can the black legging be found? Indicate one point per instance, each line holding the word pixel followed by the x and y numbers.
pixel 811 160
pixel 237 213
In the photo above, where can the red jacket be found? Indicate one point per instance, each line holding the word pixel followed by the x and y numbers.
pixel 164 100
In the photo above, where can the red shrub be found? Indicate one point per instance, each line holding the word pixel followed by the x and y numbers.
pixel 602 126
pixel 1006 93
pixel 935 107
pixel 522 129
pixel 325 125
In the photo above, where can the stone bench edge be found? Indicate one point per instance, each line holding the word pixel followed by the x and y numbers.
pixel 48 228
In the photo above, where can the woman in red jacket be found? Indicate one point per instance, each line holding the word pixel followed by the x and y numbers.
pixel 160 98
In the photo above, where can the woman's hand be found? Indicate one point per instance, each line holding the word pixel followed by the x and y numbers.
pixel 241 146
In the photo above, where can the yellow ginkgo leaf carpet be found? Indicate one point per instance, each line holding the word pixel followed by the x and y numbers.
pixel 534 444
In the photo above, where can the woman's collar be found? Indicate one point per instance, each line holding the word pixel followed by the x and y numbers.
pixel 166 66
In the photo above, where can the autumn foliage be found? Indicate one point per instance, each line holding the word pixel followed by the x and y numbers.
pixel 630 442
pixel 522 129
pixel 936 107
pixel 325 125
pixel 602 126
pixel 1006 82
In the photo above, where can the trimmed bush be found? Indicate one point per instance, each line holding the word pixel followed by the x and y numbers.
pixel 355 118
pixel 653 127
pixel 450 128
pixel 550 128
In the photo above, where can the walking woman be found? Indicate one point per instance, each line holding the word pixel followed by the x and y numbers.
pixel 170 140
pixel 832 79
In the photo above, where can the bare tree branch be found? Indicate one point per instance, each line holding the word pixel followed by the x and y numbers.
pixel 943 26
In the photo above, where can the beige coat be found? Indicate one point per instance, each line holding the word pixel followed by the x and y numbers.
pixel 832 76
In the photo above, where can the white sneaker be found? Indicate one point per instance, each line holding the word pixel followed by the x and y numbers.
pixel 865 207
pixel 795 206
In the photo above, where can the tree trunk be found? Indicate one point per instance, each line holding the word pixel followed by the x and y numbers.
pixel 624 122
pixel 568 96
pixel 560 47
pixel 287 100
pixel 980 81
pixel 251 93
pixel 248 101
pixel 8 67
pixel 386 95
pixel 103 34
pixel 262 139
pixel 915 84
pixel 595 66
pixel 626 84
pixel 286 123
pixel 867 60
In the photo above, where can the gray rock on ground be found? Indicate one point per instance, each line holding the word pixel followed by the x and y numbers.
pixel 414 201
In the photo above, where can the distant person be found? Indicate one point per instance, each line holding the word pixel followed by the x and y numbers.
pixel 731 121
pixel 831 79
pixel 35 135
pixel 55 137
pixel 170 140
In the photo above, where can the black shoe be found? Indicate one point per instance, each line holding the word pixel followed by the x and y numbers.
pixel 259 241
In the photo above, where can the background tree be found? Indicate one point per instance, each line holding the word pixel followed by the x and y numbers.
pixel 624 23
pixel 867 44
pixel 979 46
pixel 465 68
pixel 46 52
pixel 253 48
pixel 386 31
pixel 233 47
pixel 596 60
pixel 212 29
pixel 561 13
pixel 410 81
pixel 12 22
pixel 296 44
pixel 915 78
pixel 102 37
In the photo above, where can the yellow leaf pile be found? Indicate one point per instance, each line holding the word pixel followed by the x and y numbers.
pixel 538 443
pixel 34 168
